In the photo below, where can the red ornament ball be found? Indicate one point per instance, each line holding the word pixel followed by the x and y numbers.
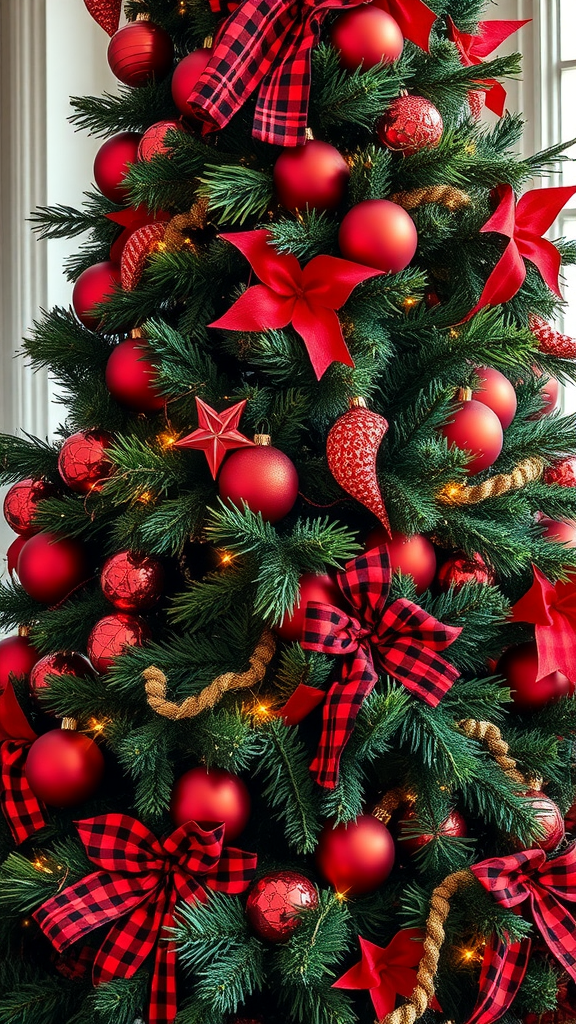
pixel 497 393
pixel 263 477
pixel 95 285
pixel 549 817
pixel 211 796
pixel 112 635
pixel 64 767
pixel 21 504
pixel 366 36
pixel 561 530
pixel 50 567
pixel 139 52
pixel 112 164
pixel 519 666
pixel 83 462
pixel 549 395
pixel 274 901
pixel 414 556
pixel 461 569
pixel 431 298
pixel 378 233
pixel 152 142
pixel 453 825
pixel 356 857
pixel 130 376
pixel 410 124
pixel 477 430
pixel 186 75
pixel 131 582
pixel 562 473
pixel 13 553
pixel 17 658
pixel 314 175
pixel 74 665
pixel 322 589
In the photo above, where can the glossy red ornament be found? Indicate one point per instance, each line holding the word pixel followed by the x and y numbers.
pixel 64 767
pixel 50 567
pixel 186 75
pixel 519 666
pixel 477 430
pixel 562 473
pixel 132 582
pixel 130 376
pixel 153 142
pixel 551 341
pixel 431 298
pixel 263 477
pixel 95 285
pixel 414 556
pixel 274 902
pixel 13 553
pixel 61 663
pixel 17 658
pixel 112 635
pixel 311 588
pixel 453 825
pixel 352 449
pixel 112 163
pixel 139 52
pixel 461 569
pixel 497 393
pixel 211 796
pixel 366 36
pixel 411 123
pixel 550 817
pixel 83 462
pixel 355 857
pixel 21 504
pixel 312 176
pixel 561 530
pixel 378 233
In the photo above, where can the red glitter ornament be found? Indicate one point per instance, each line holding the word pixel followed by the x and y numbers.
pixel 72 664
pixel 274 902
pixel 17 658
pixel 211 796
pixel 112 635
pixel 21 504
pixel 106 13
pixel 453 825
pixel 410 124
pixel 352 449
pixel 139 52
pixel 497 393
pixel 312 176
pixel 476 103
pixel 414 556
pixel 112 163
pixel 131 582
pixel 141 245
pixel 311 587
pixel 549 817
pixel 263 478
pixel 50 567
pixel 94 286
pixel 461 569
pixel 366 36
pixel 64 767
pixel 550 341
pixel 562 473
pixel 563 531
pixel 186 75
pixel 478 431
pixel 130 376
pixel 378 233
pixel 153 142
pixel 356 856
pixel 83 462
pixel 519 666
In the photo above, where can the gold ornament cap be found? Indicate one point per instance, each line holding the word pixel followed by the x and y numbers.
pixel 23 630
pixel 357 402
pixel 464 394
pixel 137 332
pixel 70 724
pixel 264 440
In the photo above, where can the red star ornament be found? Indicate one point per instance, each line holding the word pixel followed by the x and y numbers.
pixel 473 49
pixel 217 433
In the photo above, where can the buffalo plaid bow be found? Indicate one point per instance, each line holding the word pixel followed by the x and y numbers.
pixel 402 640
pixel 23 812
pixel 513 880
pixel 140 881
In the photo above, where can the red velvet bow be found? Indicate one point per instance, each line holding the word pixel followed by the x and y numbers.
pixel 552 609
pixel 23 812
pixel 524 223
pixel 473 49
pixel 305 297
pixel 401 639
pixel 140 881
pixel 414 18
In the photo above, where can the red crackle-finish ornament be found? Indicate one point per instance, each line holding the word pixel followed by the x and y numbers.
pixel 142 244
pixel 411 123
pixel 111 636
pixel 83 462
pixel 551 341
pixel 274 902
pixel 461 569
pixel 153 141
pixel 352 448
pixel 132 582
pixel 563 473
pixel 21 504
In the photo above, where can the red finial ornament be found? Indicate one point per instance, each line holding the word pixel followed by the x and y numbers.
pixel 352 448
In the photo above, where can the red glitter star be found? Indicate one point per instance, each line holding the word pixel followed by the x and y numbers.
pixel 217 433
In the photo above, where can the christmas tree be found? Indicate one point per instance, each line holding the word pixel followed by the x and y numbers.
pixel 287 715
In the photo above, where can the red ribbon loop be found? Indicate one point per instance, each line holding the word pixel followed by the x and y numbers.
pixel 552 609
pixel 473 49
pixel 24 814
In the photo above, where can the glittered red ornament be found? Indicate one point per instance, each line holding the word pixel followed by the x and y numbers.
pixel 83 462
pixel 411 123
pixel 453 825
pixel 562 473
pixel 95 285
pixel 21 504
pixel 476 103
pixel 312 176
pixel 132 582
pixel 211 796
pixel 519 666
pixel 549 817
pixel 551 341
pixel 13 553
pixel 139 52
pixel 378 233
pixel 477 430
pixel 311 588
pixel 263 478
pixel 366 36
pixel 64 767
pixel 461 569
pixel 414 556
pixel 106 13
pixel 563 531
pixel 17 658
pixel 153 141
pixel 352 449
pixel 141 245
pixel 186 75
pixel 50 567
pixel 130 219
pixel 112 635
pixel 112 163
pixel 61 663
pixel 274 902
pixel 357 856
pixel 497 393
pixel 130 376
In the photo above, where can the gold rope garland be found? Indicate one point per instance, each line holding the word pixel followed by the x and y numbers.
pixel 181 229
pixel 463 494
pixel 446 195
pixel 490 735
pixel 389 803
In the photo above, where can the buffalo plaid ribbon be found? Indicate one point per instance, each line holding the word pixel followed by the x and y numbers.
pixel 140 881
pixel 513 880
pixel 23 812
pixel 402 640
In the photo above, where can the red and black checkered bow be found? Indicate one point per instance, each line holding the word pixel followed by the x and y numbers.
pixel 513 880
pixel 402 640
pixel 141 880
pixel 23 812
pixel 265 45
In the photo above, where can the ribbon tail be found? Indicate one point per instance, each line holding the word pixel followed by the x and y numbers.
pixel 281 115
pixel 163 1005
pixel 503 970
pixel 504 282
pixel 495 97
pixel 24 814
pixel 556 926
pixel 322 335
pixel 343 702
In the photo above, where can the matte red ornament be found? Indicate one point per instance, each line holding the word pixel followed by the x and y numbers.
pixel 112 164
pixel 21 504
pixel 461 569
pixel 410 124
pixel 83 462
pixel 473 49
pixel 322 589
pixel 185 77
pixel 263 478
pixel 414 556
pixel 519 666
pixel 153 141
pixel 454 825
pixel 497 393
pixel 217 433
pixel 561 530
pixel 366 36
pixel 132 582
pixel 352 449
pixel 64 767
pixel 138 249
pixel 414 17
pixel 357 856
pixel 551 341
pixel 62 663
pixel 562 473
pixel 13 554
pixel 50 567
pixel 274 903
pixel 139 52
pixel 17 658
pixel 130 376
pixel 477 430
pixel 110 637
pixel 549 817
pixel 313 176
pixel 106 13
pixel 378 233
pixel 211 796
pixel 94 286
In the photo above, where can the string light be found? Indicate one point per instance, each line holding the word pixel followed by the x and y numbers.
pixel 166 439
pixel 453 333
pixel 341 896
pixel 94 725
pixel 451 493
pixel 146 497
pixel 410 301
pixel 226 557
